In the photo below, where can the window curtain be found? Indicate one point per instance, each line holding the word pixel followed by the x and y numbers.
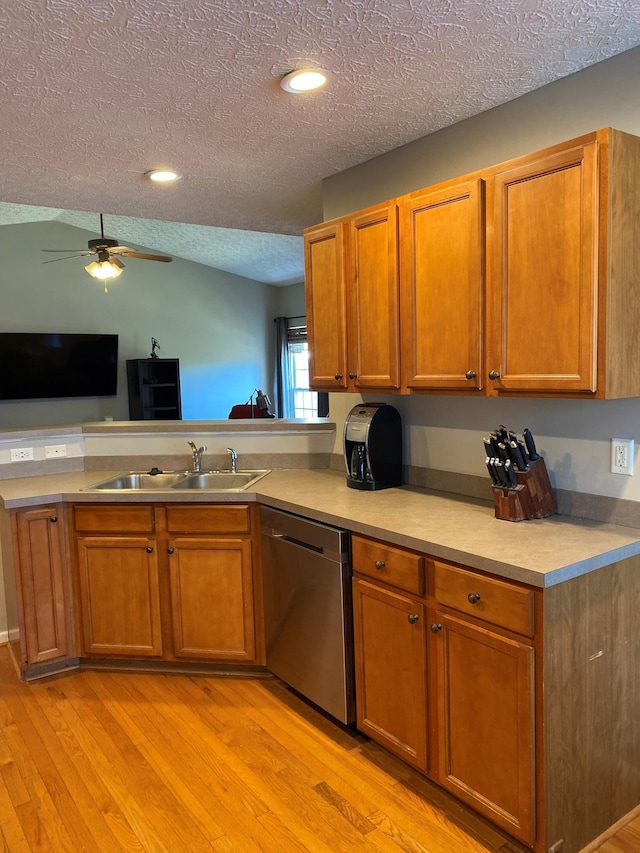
pixel 284 399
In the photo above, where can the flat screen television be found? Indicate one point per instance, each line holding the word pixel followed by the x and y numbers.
pixel 38 365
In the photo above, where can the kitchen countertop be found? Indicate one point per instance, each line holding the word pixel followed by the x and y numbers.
pixel 540 552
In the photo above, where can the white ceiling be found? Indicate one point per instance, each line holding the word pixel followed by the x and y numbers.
pixel 92 95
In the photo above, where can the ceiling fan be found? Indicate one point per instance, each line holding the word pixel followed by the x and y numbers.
pixel 107 264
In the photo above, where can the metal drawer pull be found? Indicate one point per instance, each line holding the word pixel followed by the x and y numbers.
pixel 474 597
pixel 470 374
pixel 412 618
pixel 435 627
pixel 53 519
pixel 170 550
pixel 337 376
pixel 149 549
pixel 380 564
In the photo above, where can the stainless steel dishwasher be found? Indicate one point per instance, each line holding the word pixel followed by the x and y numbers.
pixel 307 600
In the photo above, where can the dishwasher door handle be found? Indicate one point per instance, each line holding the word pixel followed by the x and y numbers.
pixel 291 541
pixel 325 553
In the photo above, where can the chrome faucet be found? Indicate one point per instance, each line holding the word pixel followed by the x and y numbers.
pixel 197 456
pixel 234 459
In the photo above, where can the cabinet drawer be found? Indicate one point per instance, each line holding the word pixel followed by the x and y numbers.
pixel 221 518
pixel 500 603
pixel 394 566
pixel 127 518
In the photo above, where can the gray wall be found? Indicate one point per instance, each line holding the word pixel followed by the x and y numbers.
pixel 219 325
pixel 445 432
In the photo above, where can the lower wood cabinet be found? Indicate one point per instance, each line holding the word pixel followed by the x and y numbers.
pixel 42 584
pixel 119 588
pixel 391 670
pixel 166 582
pixel 483 710
pixel 212 612
pixel 449 685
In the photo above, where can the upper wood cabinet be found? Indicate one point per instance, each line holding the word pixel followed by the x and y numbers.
pixel 542 317
pixel 353 302
pixel 442 267
pixel 520 279
pixel 326 296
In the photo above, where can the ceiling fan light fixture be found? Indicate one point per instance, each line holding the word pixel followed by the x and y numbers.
pixel 163 176
pixel 105 270
pixel 304 80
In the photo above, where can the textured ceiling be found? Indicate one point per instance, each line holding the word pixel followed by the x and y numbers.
pixel 94 94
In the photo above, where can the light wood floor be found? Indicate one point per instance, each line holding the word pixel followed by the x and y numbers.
pixel 97 761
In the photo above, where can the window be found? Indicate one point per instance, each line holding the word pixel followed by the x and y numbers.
pixel 298 400
pixel 305 402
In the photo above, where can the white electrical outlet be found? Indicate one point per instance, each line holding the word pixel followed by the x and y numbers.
pixel 21 454
pixel 622 456
pixel 52 451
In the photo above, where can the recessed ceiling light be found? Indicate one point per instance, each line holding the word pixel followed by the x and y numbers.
pixel 304 80
pixel 162 176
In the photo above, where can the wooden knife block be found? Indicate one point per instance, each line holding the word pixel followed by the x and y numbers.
pixel 533 497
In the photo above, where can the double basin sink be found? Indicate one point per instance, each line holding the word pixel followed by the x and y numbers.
pixel 212 481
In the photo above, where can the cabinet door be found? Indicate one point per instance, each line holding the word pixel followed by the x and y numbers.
pixel 391 683
pixel 373 318
pixel 44 588
pixel 484 712
pixel 542 276
pixel 119 596
pixel 442 245
pixel 324 259
pixel 212 598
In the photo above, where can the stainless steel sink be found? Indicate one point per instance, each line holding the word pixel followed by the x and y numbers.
pixel 138 481
pixel 221 481
pixel 213 481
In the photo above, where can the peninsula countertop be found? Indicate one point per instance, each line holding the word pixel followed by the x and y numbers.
pixel 540 552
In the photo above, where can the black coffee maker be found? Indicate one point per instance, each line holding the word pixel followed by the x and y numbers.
pixel 373 447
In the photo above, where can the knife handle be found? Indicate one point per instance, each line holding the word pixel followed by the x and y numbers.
pixel 505 451
pixel 518 456
pixel 511 474
pixel 492 471
pixel 531 445
pixel 503 480
pixel 488 447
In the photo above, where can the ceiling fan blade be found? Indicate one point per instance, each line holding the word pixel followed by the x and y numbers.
pixel 165 259
pixel 63 250
pixel 68 257
pixel 113 259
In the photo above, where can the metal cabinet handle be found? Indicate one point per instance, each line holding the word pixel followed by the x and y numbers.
pixel 53 519
pixel 149 549
pixel 337 376
pixel 474 597
pixel 170 550
pixel 412 618
pixel 435 627
pixel 494 374
pixel 380 564
pixel 353 376
pixel 470 374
